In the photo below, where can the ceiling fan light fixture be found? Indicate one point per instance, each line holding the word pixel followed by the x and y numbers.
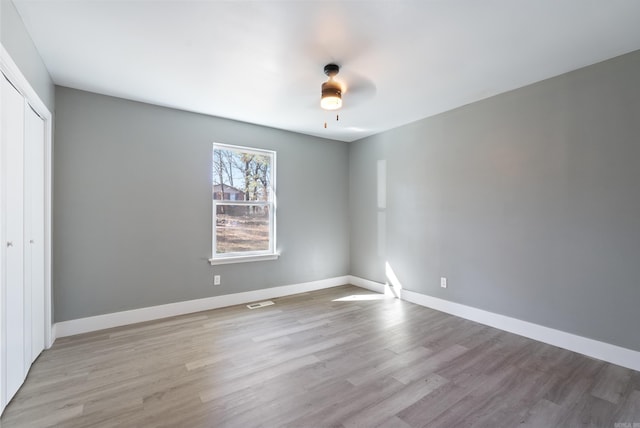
pixel 331 95
pixel 331 90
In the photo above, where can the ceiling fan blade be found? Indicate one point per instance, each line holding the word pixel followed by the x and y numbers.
pixel 357 89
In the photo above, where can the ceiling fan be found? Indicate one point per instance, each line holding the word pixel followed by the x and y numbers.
pixel 358 88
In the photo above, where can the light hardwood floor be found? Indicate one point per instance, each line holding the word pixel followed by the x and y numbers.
pixel 320 359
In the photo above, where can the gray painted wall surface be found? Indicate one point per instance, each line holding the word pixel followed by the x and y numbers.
pixel 529 202
pixel 18 43
pixel 132 206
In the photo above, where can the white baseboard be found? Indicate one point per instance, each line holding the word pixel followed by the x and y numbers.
pixel 590 347
pixel 368 284
pixel 582 345
pixel 117 319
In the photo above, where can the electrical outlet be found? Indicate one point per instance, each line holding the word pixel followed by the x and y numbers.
pixel 443 282
pixel 216 280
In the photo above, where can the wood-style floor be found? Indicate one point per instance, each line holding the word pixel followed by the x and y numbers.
pixel 325 358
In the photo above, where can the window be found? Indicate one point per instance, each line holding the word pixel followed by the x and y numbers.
pixel 244 226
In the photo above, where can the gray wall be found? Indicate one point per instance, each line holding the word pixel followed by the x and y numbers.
pixel 529 202
pixel 18 43
pixel 132 206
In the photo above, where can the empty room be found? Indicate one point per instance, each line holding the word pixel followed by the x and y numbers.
pixel 319 213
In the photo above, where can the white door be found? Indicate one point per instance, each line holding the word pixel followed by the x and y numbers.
pixel 13 370
pixel 34 234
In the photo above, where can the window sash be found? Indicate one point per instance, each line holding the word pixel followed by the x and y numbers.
pixel 227 255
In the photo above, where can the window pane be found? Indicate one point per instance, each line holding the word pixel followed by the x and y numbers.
pixel 241 175
pixel 242 228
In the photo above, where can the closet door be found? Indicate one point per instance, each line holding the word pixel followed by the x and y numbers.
pixel 12 126
pixel 34 235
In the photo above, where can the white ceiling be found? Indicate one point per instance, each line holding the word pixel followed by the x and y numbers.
pixel 262 61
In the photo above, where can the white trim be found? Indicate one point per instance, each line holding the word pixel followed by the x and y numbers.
pixel 245 149
pixel 368 284
pixel 54 333
pixel 243 259
pixel 101 322
pixel 592 348
pixel 21 83
pixel 243 203
pixel 11 70
pixel 48 218
pixel 582 345
pixel 271 203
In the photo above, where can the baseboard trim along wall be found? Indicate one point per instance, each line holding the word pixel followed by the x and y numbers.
pixel 368 284
pixel 582 345
pixel 117 319
pixel 592 348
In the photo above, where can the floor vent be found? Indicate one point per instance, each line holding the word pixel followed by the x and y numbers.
pixel 260 304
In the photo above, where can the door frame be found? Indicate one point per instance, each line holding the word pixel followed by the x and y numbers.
pixel 11 70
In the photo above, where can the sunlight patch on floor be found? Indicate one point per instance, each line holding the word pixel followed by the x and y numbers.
pixel 361 297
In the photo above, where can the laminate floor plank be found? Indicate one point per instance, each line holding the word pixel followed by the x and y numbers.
pixel 419 369
pixel 611 383
pixel 328 358
pixel 343 405
pixel 371 372
pixel 393 422
pixel 544 414
pixel 395 403
pixel 590 411
pixel 630 409
pixel 430 407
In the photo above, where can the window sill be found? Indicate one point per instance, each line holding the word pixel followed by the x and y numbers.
pixel 244 259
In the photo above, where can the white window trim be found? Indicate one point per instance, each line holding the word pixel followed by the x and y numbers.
pixel 243 259
pixel 247 256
